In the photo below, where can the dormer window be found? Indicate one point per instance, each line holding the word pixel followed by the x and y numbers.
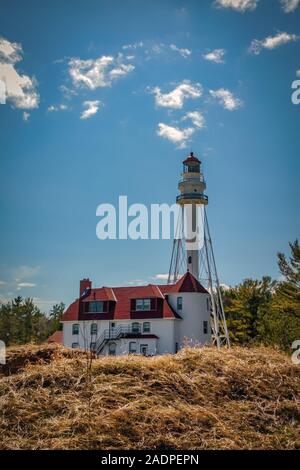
pixel 142 305
pixel 95 306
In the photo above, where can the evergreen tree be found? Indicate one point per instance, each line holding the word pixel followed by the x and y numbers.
pixel 244 305
pixel 281 325
pixel 56 314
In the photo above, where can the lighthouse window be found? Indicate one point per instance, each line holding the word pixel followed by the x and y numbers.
pixel 205 327
pixel 179 303
pixel 143 304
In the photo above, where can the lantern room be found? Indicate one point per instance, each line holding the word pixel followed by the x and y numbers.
pixel 191 164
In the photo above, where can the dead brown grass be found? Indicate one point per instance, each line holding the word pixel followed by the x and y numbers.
pixel 197 399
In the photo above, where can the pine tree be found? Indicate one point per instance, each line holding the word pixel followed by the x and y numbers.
pixel 245 305
pixel 281 325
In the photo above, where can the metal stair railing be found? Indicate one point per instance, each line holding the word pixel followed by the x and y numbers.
pixel 112 334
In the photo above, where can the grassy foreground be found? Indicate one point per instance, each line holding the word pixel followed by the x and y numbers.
pixel 197 399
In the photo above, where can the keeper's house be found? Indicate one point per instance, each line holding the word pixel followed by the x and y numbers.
pixel 148 320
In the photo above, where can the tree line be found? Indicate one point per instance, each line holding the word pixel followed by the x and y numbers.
pixel 266 311
pixel 258 311
pixel 23 322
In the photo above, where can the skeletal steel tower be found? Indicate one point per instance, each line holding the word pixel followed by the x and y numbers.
pixel 192 246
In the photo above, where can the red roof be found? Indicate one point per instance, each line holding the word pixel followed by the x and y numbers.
pixel 187 283
pixel 56 337
pixel 191 158
pixel 119 301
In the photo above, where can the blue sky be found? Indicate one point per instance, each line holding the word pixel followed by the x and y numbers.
pixel 99 103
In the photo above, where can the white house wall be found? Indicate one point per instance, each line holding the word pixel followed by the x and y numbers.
pixel 172 333
pixel 194 312
pixel 122 346
pixel 162 328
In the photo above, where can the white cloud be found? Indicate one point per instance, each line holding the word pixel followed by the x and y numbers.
pixel 271 42
pixel 44 304
pixel 164 277
pixel 225 287
pixel 57 107
pixel 135 45
pixel 26 116
pixel 238 5
pixel 175 99
pixel 25 272
pixel 136 282
pixel 91 109
pixel 3 283
pixel 25 285
pixel 4 300
pixel 98 73
pixel 182 51
pixel 298 73
pixel 10 52
pixel 196 117
pixel 161 277
pixel 217 56
pixel 289 6
pixel 175 134
pixel 226 99
pixel 20 89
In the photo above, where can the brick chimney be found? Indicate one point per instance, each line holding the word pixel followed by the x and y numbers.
pixel 84 284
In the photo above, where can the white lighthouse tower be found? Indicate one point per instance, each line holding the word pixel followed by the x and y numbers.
pixel 192 247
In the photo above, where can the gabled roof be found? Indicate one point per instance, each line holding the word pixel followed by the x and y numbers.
pixel 187 283
pixel 56 337
pixel 120 301
pixel 72 312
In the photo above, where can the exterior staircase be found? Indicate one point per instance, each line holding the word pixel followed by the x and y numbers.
pixel 113 334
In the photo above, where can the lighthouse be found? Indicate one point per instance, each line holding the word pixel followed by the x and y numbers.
pixel 193 199
pixel 192 247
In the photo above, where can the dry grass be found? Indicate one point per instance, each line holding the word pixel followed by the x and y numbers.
pixel 197 399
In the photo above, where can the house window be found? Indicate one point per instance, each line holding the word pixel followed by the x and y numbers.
pixel 176 347
pixel 132 347
pixel 146 327
pixel 75 329
pixel 75 345
pixel 112 348
pixel 179 303
pixel 92 345
pixel 205 327
pixel 207 303
pixel 94 328
pixel 142 304
pixel 96 306
pixel 135 327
